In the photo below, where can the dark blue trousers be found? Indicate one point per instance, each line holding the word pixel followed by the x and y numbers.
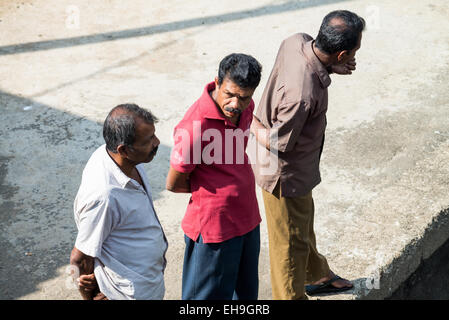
pixel 222 271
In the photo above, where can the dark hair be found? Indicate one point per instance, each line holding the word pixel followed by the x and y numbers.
pixel 242 69
pixel 120 125
pixel 340 30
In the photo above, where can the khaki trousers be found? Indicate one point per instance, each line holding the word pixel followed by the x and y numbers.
pixel 294 258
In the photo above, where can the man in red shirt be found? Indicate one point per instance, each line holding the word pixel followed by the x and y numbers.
pixel 209 160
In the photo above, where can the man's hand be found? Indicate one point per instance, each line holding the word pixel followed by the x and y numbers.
pixel 100 296
pixel 346 68
pixel 87 282
pixel 261 133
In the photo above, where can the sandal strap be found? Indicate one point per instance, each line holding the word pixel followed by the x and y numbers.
pixel 333 279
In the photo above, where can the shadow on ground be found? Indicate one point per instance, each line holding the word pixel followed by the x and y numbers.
pixel 164 27
pixel 44 151
pixel 42 155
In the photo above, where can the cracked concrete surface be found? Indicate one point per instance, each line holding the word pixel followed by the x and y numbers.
pixel 382 206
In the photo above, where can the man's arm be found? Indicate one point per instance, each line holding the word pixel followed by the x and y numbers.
pixel 282 136
pixel 88 286
pixel 178 182
pixel 261 133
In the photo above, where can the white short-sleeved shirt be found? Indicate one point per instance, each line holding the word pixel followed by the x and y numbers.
pixel 118 226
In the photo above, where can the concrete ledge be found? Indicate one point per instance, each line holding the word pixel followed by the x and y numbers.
pixel 410 258
pixel 427 190
pixel 404 225
pixel 382 206
pixel 429 281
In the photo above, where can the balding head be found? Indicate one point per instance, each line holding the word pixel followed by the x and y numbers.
pixel 339 31
pixel 119 127
pixel 337 23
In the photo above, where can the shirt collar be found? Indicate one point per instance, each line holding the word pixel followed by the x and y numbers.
pixel 317 66
pixel 121 178
pixel 208 106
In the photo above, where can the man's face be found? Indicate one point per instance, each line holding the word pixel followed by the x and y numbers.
pixel 232 99
pixel 146 143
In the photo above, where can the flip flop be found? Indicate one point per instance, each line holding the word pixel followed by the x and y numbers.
pixel 325 287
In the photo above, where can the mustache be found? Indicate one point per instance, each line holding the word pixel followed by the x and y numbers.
pixel 234 110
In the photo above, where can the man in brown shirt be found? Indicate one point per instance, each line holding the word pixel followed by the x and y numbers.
pixel 293 109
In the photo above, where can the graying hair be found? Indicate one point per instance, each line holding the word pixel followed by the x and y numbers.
pixel 120 125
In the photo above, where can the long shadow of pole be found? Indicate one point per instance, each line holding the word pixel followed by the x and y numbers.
pixel 162 28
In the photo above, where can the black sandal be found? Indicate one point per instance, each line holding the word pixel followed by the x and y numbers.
pixel 325 287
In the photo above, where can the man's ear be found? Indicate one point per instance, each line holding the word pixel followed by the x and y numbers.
pixel 342 56
pixel 216 82
pixel 122 150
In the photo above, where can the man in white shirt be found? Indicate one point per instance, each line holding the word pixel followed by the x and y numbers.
pixel 120 248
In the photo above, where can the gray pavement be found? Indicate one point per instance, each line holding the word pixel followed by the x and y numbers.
pixel 382 206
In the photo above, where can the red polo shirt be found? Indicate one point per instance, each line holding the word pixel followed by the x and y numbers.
pixel 223 203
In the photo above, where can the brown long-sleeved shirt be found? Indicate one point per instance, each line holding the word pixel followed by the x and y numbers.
pixel 293 106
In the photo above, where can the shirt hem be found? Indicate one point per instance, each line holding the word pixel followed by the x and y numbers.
pixel 208 239
pixel 180 168
pixel 91 252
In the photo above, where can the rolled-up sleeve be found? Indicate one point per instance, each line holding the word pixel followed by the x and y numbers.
pixel 96 221
pixel 290 120
pixel 184 155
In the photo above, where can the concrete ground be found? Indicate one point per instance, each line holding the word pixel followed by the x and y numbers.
pixel 382 206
